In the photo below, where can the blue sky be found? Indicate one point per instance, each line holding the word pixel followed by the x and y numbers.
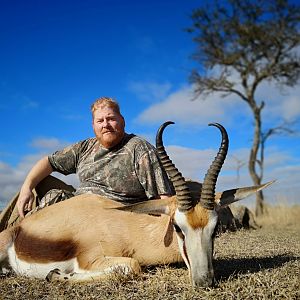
pixel 57 57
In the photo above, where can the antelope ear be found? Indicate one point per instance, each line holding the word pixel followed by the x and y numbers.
pixel 231 196
pixel 154 207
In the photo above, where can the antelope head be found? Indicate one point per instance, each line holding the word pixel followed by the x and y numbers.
pixel 194 219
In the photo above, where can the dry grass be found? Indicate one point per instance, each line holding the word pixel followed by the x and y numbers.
pixel 255 264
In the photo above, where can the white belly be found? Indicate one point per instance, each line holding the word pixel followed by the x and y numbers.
pixel 38 270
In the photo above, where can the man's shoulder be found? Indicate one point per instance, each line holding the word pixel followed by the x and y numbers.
pixel 137 141
pixel 139 146
pixel 86 144
pixel 90 141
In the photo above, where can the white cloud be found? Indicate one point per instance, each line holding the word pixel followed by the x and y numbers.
pixel 11 178
pixel 192 163
pixel 180 107
pixel 291 107
pixel 49 144
pixel 282 104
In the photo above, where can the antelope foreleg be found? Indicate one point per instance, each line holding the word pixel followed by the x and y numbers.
pixel 107 267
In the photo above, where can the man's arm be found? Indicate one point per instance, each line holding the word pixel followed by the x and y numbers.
pixel 39 171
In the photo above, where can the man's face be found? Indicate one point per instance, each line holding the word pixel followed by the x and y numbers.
pixel 108 127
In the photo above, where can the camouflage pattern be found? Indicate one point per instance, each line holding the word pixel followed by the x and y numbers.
pixel 51 197
pixel 130 172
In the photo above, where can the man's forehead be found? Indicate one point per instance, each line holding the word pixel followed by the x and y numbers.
pixel 105 111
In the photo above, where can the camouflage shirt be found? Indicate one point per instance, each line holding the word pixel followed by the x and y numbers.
pixel 129 172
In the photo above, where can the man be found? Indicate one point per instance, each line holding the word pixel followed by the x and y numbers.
pixel 114 164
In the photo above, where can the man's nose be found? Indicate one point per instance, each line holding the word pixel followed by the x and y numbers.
pixel 105 123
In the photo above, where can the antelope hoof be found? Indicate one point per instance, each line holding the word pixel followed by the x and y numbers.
pixel 53 274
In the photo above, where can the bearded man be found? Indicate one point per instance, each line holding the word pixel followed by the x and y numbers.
pixel 114 164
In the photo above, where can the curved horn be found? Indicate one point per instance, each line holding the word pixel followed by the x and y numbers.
pixel 209 184
pixel 184 198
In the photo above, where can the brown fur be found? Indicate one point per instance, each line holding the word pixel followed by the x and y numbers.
pixel 6 238
pixel 85 226
pixel 197 217
pixel 31 249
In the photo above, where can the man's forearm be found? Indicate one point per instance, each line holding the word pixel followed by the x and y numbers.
pixel 39 171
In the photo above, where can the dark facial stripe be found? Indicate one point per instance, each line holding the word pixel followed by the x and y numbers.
pixel 185 253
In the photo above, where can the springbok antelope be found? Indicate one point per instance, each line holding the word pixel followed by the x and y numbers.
pixel 89 237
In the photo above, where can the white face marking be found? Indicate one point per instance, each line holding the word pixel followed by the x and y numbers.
pixel 181 221
pixel 196 247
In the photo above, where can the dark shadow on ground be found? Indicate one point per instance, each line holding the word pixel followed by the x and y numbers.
pixel 225 268
pixel 231 267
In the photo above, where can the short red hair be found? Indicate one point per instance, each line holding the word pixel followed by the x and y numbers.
pixel 105 102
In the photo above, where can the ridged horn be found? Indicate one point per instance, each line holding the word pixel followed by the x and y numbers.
pixel 209 184
pixel 184 198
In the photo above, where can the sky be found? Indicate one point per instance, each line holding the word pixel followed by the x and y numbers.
pixel 57 57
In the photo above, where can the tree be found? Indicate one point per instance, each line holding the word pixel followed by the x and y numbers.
pixel 255 41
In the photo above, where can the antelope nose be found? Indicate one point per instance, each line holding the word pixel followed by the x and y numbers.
pixel 204 282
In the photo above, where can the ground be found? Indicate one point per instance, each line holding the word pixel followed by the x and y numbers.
pixel 249 264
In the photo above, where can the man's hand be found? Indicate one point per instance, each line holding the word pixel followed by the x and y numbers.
pixel 25 201
pixel 39 171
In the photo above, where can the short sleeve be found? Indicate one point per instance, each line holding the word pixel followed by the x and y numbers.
pixel 65 161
